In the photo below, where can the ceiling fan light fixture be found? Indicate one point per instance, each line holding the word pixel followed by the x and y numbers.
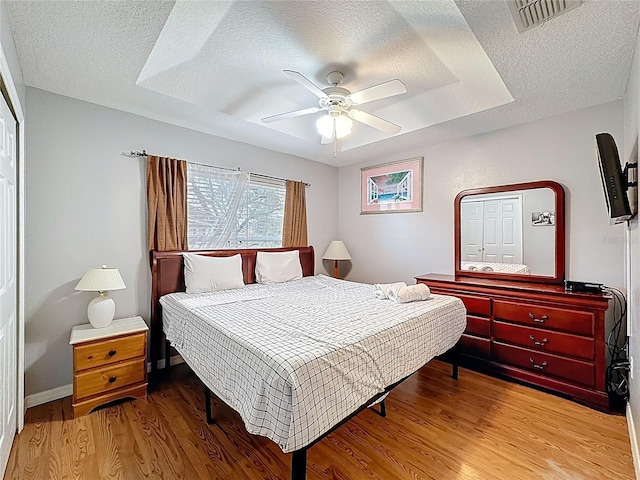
pixel 325 126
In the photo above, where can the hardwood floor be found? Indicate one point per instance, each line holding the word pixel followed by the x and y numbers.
pixel 436 428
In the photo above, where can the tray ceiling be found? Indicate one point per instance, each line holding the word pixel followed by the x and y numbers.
pixel 217 66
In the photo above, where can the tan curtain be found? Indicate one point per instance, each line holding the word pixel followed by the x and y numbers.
pixel 294 229
pixel 166 203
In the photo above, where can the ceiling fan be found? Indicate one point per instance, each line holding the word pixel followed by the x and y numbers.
pixel 338 102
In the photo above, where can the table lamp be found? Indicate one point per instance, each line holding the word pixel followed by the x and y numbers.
pixel 336 251
pixel 102 308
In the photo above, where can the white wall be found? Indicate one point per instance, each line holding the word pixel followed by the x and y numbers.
pixel 86 207
pixel 629 153
pixel 396 247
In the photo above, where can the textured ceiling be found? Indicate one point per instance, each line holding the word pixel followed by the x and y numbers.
pixel 217 66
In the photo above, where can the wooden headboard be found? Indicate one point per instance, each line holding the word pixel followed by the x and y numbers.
pixel 167 276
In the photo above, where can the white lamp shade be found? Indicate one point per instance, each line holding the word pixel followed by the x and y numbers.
pixel 101 280
pixel 336 251
pixel 325 126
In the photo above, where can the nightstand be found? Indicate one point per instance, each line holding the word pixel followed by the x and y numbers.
pixel 108 363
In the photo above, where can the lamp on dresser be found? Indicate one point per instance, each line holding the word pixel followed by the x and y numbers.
pixel 336 251
pixel 102 308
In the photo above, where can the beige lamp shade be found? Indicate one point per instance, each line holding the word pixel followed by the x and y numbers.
pixel 336 251
pixel 102 308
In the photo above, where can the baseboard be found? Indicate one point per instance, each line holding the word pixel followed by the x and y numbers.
pixel 48 396
pixel 633 438
pixel 57 393
pixel 175 360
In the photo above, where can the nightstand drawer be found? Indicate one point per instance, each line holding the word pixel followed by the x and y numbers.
pixel 106 379
pixel 109 351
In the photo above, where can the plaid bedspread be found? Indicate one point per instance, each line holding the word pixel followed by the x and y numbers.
pixel 296 358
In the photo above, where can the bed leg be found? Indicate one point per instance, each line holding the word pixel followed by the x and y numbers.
pixel 167 356
pixel 383 409
pixel 299 464
pixel 454 369
pixel 207 406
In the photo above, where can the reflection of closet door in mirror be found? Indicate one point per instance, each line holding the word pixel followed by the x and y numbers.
pixel 471 226
pixel 511 232
pixel 502 231
pixel 491 229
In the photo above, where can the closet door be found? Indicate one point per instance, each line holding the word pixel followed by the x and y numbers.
pixel 8 282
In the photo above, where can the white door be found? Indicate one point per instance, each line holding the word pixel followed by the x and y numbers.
pixel 471 220
pixel 8 282
pixel 503 231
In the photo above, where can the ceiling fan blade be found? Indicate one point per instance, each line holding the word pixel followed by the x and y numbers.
pixel 302 80
pixel 295 113
pixel 375 122
pixel 378 92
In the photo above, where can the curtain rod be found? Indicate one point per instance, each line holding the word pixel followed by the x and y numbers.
pixel 144 153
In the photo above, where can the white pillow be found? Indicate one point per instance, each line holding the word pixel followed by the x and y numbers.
pixel 210 274
pixel 278 267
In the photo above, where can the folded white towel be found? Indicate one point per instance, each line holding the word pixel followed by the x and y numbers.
pixel 382 290
pixel 412 293
pixel 487 268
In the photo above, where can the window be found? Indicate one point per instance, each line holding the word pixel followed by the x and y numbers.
pixel 233 209
pixel 260 216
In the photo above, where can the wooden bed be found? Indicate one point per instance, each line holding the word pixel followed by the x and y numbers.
pixel 168 277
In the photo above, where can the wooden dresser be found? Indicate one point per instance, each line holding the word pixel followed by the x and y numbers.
pixel 534 333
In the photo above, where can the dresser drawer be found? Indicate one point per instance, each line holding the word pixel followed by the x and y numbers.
pixel 105 352
pixel 478 326
pixel 576 371
pixel 475 305
pixel 553 318
pixel 474 346
pixel 110 378
pixel 545 340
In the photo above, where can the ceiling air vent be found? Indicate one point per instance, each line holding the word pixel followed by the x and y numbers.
pixel 529 13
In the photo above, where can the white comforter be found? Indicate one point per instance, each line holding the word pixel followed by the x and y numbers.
pixel 296 358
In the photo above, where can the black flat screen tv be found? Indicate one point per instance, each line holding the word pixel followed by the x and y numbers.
pixel 614 180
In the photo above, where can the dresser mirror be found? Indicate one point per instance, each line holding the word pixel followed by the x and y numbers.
pixel 511 232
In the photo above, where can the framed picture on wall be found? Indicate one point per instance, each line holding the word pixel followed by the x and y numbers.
pixel 543 218
pixel 394 187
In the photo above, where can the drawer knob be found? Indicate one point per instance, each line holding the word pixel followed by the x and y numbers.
pixel 539 366
pixel 113 379
pixel 112 353
pixel 535 342
pixel 542 319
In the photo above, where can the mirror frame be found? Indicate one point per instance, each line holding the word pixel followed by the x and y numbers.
pixel 558 277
